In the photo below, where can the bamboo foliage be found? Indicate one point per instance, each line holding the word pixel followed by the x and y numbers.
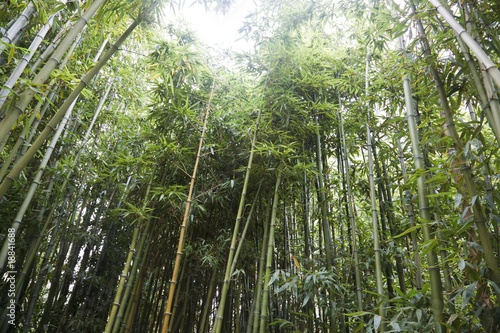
pixel 110 236
pixel 17 169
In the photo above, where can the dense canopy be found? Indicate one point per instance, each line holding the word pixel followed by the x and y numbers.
pixel 342 176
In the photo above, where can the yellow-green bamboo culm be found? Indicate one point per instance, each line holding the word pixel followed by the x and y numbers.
pixel 180 247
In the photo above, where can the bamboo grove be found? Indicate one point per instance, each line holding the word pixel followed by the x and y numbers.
pixel 342 176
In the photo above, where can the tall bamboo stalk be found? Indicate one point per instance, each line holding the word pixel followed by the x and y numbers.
pixel 128 263
pixel 131 279
pixel 30 127
pixel 227 276
pixel 411 219
pixel 461 165
pixel 350 198
pixel 269 259
pixel 180 247
pixel 260 275
pixel 52 46
pixel 327 234
pixel 27 200
pixel 487 101
pixel 425 213
pixel 373 200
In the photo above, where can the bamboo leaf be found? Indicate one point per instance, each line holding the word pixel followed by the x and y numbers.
pixel 11 54
pixel 409 230
pixel 376 321
pixel 458 200
pixel 273 278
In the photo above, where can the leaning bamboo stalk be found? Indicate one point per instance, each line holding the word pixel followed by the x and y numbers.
pixel 48 101
pixel 18 25
pixel 9 179
pixel 485 60
pixel 487 101
pixel 487 96
pixel 45 72
pixel 52 46
pixel 16 73
pixel 180 247
pixel 461 165
pixel 244 232
pixel 31 192
pixel 227 276
pixel 34 119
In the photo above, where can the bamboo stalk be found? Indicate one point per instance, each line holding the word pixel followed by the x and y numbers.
pixel 357 272
pixel 28 94
pixel 180 247
pixel 485 60
pixel 21 22
pixel 373 200
pixel 269 260
pixel 16 73
pixel 227 276
pixel 423 192
pixel 16 171
pixel 260 275
pixel 36 181
pixel 461 165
